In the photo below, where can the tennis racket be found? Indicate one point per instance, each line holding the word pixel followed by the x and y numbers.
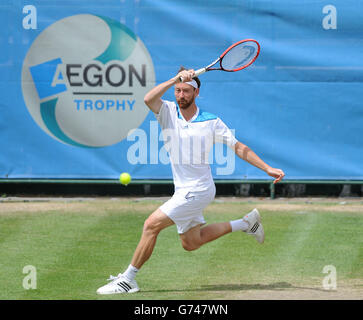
pixel 238 56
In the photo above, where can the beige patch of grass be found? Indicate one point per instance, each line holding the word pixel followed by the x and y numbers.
pixel 147 206
pixel 98 207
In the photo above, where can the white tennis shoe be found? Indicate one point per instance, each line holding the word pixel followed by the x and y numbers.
pixel 255 227
pixel 119 284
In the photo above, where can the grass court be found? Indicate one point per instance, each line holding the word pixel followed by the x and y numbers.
pixel 75 244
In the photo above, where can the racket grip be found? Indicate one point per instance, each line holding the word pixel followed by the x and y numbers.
pixel 199 72
pixel 196 73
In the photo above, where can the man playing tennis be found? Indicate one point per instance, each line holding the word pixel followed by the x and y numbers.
pixel 194 186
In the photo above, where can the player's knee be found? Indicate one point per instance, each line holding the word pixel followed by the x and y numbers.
pixel 190 246
pixel 151 227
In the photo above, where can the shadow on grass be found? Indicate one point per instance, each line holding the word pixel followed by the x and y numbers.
pixel 257 286
pixel 241 287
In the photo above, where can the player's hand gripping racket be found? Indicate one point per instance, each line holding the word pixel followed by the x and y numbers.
pixel 237 57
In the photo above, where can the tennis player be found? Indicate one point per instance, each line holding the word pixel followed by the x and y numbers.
pixel 183 124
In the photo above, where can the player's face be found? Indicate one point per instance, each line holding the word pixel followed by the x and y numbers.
pixel 185 95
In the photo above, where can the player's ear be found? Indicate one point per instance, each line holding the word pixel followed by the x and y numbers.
pixel 196 92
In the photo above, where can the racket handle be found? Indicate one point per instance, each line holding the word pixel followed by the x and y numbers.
pixel 199 72
pixel 196 73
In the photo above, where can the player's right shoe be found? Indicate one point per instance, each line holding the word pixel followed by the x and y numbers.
pixel 255 227
pixel 119 284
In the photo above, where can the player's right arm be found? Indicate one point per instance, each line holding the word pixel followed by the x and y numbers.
pixel 153 98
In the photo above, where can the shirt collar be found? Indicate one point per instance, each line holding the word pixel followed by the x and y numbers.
pixel 180 115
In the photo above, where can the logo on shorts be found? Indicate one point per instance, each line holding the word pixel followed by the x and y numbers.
pixel 84 79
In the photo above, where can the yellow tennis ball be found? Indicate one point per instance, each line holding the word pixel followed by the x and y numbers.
pixel 125 178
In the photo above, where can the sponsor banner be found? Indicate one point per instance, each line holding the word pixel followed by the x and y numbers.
pixel 73 78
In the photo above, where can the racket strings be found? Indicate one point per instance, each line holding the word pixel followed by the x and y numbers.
pixel 240 56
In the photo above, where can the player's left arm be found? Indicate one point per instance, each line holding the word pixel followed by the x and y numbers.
pixel 245 153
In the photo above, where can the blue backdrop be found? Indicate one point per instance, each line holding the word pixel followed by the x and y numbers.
pixel 299 107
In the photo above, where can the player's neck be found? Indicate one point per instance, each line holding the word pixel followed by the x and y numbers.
pixel 189 112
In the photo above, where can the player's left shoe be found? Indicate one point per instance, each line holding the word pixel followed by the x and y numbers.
pixel 119 284
pixel 255 227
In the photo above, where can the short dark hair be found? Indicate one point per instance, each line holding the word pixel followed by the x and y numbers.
pixel 196 78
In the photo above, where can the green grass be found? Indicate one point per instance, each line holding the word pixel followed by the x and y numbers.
pixel 76 246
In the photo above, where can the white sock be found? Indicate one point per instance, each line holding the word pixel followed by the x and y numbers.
pixel 238 225
pixel 130 272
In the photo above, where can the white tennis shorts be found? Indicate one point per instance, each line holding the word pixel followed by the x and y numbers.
pixel 185 207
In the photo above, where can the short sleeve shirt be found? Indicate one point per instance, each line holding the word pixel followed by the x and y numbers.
pixel 189 143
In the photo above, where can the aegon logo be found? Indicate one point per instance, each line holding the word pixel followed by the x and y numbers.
pixel 84 79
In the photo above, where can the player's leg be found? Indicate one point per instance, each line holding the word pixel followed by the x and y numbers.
pixel 125 282
pixel 198 236
pixel 156 222
pixel 214 231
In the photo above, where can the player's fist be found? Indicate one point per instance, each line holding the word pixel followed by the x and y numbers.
pixel 185 75
pixel 278 174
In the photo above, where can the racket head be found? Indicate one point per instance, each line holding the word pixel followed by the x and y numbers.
pixel 240 55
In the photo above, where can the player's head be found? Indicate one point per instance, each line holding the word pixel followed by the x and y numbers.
pixel 185 93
